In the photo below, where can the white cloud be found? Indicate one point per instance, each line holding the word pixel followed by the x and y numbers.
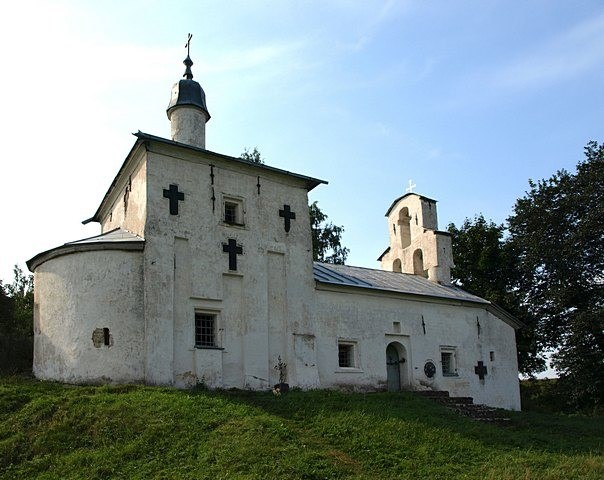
pixel 566 56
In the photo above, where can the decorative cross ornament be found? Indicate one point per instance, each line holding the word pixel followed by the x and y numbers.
pixel 480 370
pixel 288 215
pixel 174 195
pixel 411 186
pixel 233 250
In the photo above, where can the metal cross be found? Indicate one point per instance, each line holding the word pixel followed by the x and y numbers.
pixel 288 215
pixel 480 370
pixel 174 195
pixel 188 44
pixel 411 186
pixel 233 250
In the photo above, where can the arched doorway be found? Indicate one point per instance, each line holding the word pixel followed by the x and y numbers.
pixel 396 368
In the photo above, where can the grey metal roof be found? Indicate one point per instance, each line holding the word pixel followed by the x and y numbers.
pixel 115 235
pixel 406 195
pixel 346 275
pixel 117 239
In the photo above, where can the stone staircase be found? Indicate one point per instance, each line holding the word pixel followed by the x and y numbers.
pixel 465 406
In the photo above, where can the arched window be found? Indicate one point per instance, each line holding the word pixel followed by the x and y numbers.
pixel 418 263
pixel 396 266
pixel 405 230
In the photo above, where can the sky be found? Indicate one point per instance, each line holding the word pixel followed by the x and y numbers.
pixel 469 99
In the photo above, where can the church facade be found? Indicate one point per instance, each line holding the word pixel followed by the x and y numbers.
pixel 203 273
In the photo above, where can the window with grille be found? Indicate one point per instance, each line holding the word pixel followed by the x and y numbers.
pixel 346 355
pixel 205 330
pixel 230 212
pixel 448 361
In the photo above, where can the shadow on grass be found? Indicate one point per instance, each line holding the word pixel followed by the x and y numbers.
pixel 552 433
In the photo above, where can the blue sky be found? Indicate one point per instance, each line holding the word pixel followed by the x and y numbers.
pixel 468 99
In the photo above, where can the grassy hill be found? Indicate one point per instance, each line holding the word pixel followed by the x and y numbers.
pixel 49 431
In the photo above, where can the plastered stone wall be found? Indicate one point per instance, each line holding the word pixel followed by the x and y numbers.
pixel 76 297
pixel 188 125
pixel 369 321
pixel 259 306
pixel 127 204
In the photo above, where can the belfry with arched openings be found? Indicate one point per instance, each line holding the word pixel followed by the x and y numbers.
pixel 416 244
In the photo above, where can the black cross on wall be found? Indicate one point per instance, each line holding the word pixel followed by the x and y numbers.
pixel 480 370
pixel 288 215
pixel 174 195
pixel 233 250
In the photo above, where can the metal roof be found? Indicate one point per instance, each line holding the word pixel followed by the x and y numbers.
pixel 406 195
pixel 116 239
pixel 346 275
pixel 115 235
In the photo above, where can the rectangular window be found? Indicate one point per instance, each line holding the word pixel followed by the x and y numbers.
pixel 448 361
pixel 205 330
pixel 492 356
pixel 230 213
pixel 346 355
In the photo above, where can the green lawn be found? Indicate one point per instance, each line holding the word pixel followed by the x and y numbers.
pixel 49 430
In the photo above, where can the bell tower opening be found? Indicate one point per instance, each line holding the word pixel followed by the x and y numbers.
pixel 396 266
pixel 404 221
pixel 418 263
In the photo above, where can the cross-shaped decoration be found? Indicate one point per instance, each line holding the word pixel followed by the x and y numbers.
pixel 174 195
pixel 288 215
pixel 480 370
pixel 233 250
pixel 411 186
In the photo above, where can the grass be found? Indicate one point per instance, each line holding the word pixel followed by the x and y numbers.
pixel 54 431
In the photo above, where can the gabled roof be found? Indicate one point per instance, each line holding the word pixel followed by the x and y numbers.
pixel 142 137
pixel 406 195
pixel 389 281
pixel 404 283
pixel 116 239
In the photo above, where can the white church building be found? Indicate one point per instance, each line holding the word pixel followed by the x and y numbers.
pixel 203 273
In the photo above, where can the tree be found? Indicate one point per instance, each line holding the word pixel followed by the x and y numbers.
pixel 485 265
pixel 21 292
pixel 16 323
pixel 326 238
pixel 254 156
pixel 557 230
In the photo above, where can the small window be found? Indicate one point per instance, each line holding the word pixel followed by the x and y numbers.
pixel 492 356
pixel 230 213
pixel 205 330
pixel 396 327
pixel 346 355
pixel 448 361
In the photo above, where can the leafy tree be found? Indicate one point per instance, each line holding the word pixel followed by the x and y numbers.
pixel 16 323
pixel 326 238
pixel 7 310
pixel 485 265
pixel 254 156
pixel 21 292
pixel 557 230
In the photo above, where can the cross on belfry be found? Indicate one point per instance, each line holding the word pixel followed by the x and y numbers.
pixel 288 215
pixel 174 195
pixel 480 370
pixel 233 250
pixel 411 186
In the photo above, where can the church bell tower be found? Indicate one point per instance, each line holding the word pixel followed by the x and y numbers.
pixel 416 245
pixel 187 111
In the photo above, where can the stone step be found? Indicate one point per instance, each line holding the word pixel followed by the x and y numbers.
pixel 466 407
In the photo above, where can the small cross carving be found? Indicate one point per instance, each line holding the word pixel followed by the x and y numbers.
pixel 174 195
pixel 233 250
pixel 411 186
pixel 288 215
pixel 480 370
